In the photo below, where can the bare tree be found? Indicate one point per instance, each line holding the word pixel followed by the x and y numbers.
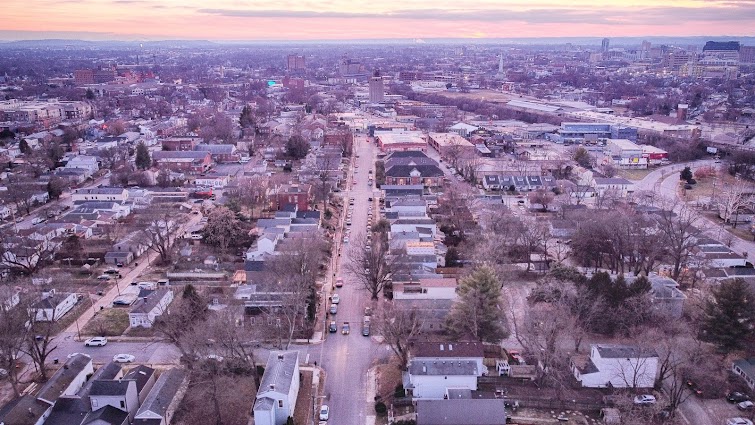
pixel 24 255
pixel 371 264
pixel 39 339
pixel 398 326
pixel 222 228
pixel 295 271
pixel 161 231
pixel 542 197
pixel 731 198
pixel 13 332
pixel 680 233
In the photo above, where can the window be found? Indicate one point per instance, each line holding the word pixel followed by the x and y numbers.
pixel 280 403
pixel 123 404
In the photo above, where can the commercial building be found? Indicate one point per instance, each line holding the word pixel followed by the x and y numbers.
pixel 377 91
pixel 624 153
pixel 392 141
pixel 295 62
pixel 577 132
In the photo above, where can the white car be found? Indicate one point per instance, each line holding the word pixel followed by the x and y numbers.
pixel 325 412
pixel 745 405
pixel 738 421
pixel 645 399
pixel 123 358
pixel 97 341
pixel 335 299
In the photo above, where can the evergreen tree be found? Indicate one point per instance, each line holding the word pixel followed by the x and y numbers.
pixel 297 147
pixel 686 174
pixel 246 120
pixel 729 315
pixel 90 94
pixel 476 312
pixel 143 160
pixel 24 147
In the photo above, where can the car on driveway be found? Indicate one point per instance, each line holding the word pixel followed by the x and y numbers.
pixel 97 341
pixel 324 412
pixel 745 405
pixel 103 277
pixel 644 399
pixel 335 299
pixel 123 358
pixel 738 421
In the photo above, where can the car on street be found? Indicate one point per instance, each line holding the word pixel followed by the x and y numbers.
pixel 366 327
pixel 333 326
pixel 644 399
pixel 738 421
pixel 736 397
pixel 333 309
pixel 339 281
pixel 346 328
pixel 335 299
pixel 97 341
pixel 324 412
pixel 123 358
pixel 345 239
pixel 745 405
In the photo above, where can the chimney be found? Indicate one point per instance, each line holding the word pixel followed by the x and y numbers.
pixel 280 357
pixel 272 387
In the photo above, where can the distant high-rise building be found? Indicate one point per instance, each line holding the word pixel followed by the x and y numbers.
pixel 377 94
pixel 295 63
pixel 604 45
pixel 721 50
pixel 747 54
pixel 351 67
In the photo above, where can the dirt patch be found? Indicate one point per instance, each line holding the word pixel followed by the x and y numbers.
pixel 108 322
pixel 213 398
pixel 634 175
pixel 388 377
pixel 304 410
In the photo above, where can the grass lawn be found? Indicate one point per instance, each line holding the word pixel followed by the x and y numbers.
pixel 108 322
pixel 634 175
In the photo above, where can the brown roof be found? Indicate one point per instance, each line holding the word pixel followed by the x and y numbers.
pixel 447 349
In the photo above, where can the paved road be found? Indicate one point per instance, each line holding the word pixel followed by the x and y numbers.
pixel 347 358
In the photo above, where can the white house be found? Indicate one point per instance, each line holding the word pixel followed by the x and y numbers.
pixel 276 397
pixel 119 393
pixel 163 399
pixel 52 306
pixel 117 194
pixel 68 380
pixel 436 367
pixel 264 245
pixel 617 186
pixel 86 162
pixel 214 181
pixel 146 310
pixel 617 366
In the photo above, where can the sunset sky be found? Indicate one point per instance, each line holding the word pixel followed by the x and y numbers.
pixel 366 19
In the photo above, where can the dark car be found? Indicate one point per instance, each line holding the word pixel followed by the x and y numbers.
pixel 333 327
pixel 736 397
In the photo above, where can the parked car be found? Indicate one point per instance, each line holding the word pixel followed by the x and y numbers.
pixel 738 421
pixel 644 399
pixel 335 299
pixel 103 277
pixel 339 282
pixel 97 341
pixel 333 327
pixel 333 309
pixel 736 397
pixel 324 412
pixel 745 405
pixel 123 358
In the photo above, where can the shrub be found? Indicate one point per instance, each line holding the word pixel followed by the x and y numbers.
pixel 380 408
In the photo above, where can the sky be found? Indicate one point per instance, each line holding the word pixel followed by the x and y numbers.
pixel 370 19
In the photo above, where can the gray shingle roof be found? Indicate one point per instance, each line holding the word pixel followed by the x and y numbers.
pixel 279 372
pixel 443 367
pixel 461 412
pixel 624 351
pixel 63 377
pixel 160 397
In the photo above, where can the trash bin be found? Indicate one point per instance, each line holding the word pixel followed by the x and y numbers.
pixel 55 361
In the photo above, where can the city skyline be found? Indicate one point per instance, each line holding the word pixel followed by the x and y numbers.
pixel 360 19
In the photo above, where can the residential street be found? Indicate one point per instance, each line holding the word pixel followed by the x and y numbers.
pixel 346 358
